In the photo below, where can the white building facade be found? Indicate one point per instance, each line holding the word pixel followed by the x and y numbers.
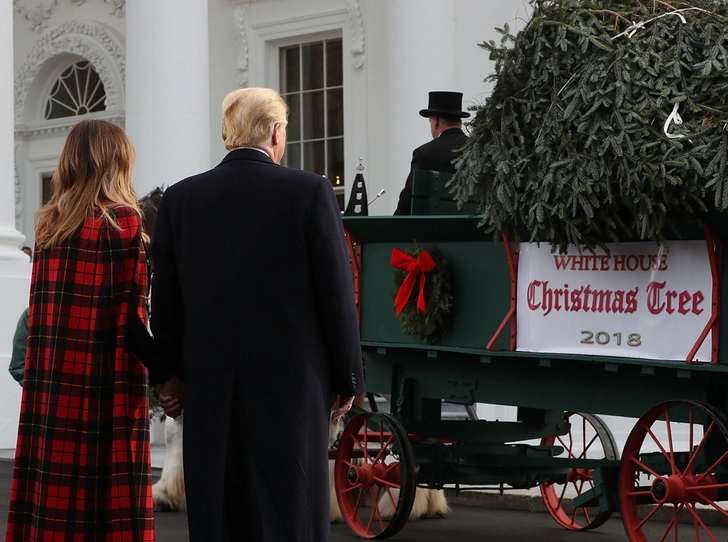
pixel 355 73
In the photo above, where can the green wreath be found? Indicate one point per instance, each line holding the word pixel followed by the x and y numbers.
pixel 432 324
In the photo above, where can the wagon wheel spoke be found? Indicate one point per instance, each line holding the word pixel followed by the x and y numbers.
pixel 673 484
pixel 712 468
pixel 707 433
pixel 670 445
pixel 385 447
pixel 358 443
pixel 645 467
pixel 718 508
pixel 567 448
pixel 588 438
pixel 669 528
pixel 592 441
pixel 697 520
pixel 374 479
pixel 386 483
pixel 391 498
pixel 358 503
pixel 648 516
pixel 352 488
pixel 375 511
pixel 659 445
pixel 561 497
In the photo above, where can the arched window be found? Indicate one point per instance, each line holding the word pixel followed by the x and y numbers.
pixel 77 91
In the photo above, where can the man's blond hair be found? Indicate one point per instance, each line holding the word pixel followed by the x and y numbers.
pixel 249 116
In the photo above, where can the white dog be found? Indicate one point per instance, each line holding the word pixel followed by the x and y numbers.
pixel 169 492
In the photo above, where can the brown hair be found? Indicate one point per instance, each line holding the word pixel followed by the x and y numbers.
pixel 250 115
pixel 93 174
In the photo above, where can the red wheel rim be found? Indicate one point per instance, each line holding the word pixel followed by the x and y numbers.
pixel 686 480
pixel 583 441
pixel 368 473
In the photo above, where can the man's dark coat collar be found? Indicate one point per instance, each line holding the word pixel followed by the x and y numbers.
pixel 452 131
pixel 247 154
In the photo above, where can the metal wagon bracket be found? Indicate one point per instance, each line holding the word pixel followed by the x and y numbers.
pixel 715 256
pixel 512 255
pixel 354 247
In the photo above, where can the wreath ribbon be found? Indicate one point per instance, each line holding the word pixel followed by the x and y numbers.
pixel 415 268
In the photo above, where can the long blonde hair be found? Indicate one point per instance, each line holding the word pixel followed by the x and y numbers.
pixel 93 174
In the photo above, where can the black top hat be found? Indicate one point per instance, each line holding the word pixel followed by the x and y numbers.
pixel 445 104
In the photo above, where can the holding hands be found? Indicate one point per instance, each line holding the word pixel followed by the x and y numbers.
pixel 340 405
pixel 172 397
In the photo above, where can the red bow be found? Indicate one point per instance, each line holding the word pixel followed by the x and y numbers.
pixel 416 268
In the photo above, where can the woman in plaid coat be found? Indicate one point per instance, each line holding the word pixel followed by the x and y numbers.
pixel 82 465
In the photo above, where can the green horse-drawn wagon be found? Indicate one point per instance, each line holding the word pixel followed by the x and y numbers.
pixel 630 332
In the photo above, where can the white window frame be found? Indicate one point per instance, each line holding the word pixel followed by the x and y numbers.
pixel 266 37
pixel 341 188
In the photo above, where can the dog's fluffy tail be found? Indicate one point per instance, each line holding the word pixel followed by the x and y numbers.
pixel 429 503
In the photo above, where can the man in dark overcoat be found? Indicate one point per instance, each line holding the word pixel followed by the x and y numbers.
pixel 445 115
pixel 253 303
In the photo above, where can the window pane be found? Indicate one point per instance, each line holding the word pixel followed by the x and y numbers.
pixel 335 112
pixel 293 131
pixel 97 98
pixel 47 188
pixel 292 156
pixel 335 163
pixel 314 157
pixel 313 115
pixel 334 77
pixel 77 91
pixel 313 66
pixel 340 199
pixel 290 72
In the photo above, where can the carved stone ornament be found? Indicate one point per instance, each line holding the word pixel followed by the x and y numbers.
pixel 119 7
pixel 37 16
pixel 241 45
pixel 18 200
pixel 357 33
pixel 42 10
pixel 356 22
pixel 92 41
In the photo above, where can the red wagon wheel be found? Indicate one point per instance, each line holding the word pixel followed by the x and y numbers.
pixel 588 438
pixel 661 487
pixel 374 462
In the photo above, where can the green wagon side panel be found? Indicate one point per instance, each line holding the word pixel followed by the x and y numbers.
pixel 481 280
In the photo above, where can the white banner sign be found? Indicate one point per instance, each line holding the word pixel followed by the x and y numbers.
pixel 639 301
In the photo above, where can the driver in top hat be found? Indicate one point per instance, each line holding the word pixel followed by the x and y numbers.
pixel 444 112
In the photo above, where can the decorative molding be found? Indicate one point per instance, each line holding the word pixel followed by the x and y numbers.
pixel 91 41
pixel 63 125
pixel 356 22
pixel 18 199
pixel 37 17
pixel 119 7
pixel 241 45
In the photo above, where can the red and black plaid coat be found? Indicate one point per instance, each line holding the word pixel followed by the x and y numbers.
pixel 82 465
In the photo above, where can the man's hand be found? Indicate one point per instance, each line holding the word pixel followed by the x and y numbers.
pixel 344 405
pixel 172 397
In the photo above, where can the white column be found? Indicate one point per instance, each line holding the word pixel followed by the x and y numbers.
pixel 423 45
pixel 10 238
pixel 167 90
pixel 14 264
